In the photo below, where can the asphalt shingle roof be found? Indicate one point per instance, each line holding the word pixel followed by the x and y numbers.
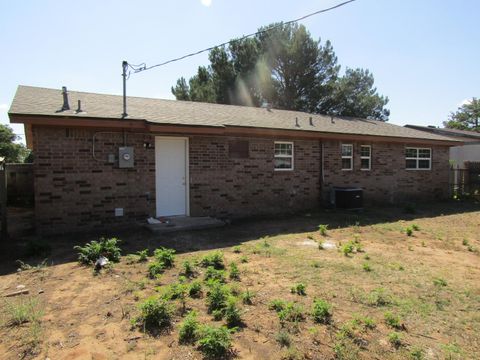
pixel 41 101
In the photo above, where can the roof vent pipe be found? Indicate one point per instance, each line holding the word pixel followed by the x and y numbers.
pixel 296 122
pixel 311 121
pixel 65 106
pixel 79 109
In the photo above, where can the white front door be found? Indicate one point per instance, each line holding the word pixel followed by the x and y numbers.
pixel 171 175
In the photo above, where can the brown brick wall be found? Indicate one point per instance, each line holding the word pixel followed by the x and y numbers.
pixel 388 181
pixel 75 192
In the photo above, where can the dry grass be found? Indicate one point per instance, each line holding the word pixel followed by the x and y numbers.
pixel 427 283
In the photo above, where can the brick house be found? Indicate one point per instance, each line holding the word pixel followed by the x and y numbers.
pixel 94 168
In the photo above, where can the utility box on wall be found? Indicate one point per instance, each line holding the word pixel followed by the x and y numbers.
pixel 125 157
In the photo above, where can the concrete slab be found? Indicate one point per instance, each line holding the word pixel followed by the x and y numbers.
pixel 183 223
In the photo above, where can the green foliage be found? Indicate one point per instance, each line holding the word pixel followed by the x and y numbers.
pixel 234 272
pixel 237 249
pixel 214 259
pixel 277 305
pixel 154 314
pixel 142 255
pixel 244 259
pixel 283 338
pixel 439 282
pixel 176 291
pixel 37 248
pixel 188 269
pixel 247 297
pixel 292 312
pixel 366 267
pixel 378 297
pixel 321 311
pixel 214 342
pixel 195 289
pixel 165 256
pixel 189 329
pixel 217 296
pixel 155 269
pixel 22 311
pixel 395 339
pixel 232 312
pixel 348 248
pixel 417 353
pixel 12 152
pixel 466 117
pixel 213 274
pixel 287 68
pixel 415 227
pixel 465 242
pixel 292 353
pixel 299 289
pixel 393 320
pixel 322 228
pixel 409 231
pixel 89 253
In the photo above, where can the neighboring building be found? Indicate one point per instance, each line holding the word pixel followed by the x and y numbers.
pixel 465 153
pixel 94 168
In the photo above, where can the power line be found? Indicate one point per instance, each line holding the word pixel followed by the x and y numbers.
pixel 143 66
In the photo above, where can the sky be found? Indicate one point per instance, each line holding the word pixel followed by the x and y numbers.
pixel 424 54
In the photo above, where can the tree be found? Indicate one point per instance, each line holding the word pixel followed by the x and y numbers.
pixel 285 67
pixel 11 151
pixel 355 95
pixel 467 116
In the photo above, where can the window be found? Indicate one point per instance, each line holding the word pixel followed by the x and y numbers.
pixel 283 155
pixel 418 158
pixel 347 156
pixel 365 157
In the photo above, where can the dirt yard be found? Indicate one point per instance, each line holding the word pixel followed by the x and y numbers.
pixel 399 286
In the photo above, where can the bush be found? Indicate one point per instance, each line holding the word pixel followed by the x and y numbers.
pixel 395 339
pixel 23 311
pixel 214 259
pixel 214 342
pixel 247 297
pixel 409 231
pixel 378 297
pixel 366 267
pixel 237 249
pixel 244 259
pixel 188 331
pixel 348 248
pixel 292 313
pixel 232 312
pixel 234 272
pixel 142 255
pixel 277 305
pixel 415 227
pixel 321 311
pixel 195 289
pixel 217 297
pixel 89 253
pixel 188 269
pixel 165 256
pixel 283 338
pixel 392 320
pixel 154 314
pixel 299 289
pixel 215 274
pixel 155 269
pixel 323 229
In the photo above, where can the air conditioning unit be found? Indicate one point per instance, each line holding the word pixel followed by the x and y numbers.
pixel 346 198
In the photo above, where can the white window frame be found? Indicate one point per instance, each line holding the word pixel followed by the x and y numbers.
pixel 346 157
pixel 369 157
pixel 417 158
pixel 282 156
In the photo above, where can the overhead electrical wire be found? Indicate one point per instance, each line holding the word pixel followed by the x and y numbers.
pixel 143 66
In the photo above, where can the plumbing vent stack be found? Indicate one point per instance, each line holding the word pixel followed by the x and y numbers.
pixel 65 106
pixel 79 109
pixel 311 121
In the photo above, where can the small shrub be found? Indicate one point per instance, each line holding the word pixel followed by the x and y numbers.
pixel 214 274
pixel 214 342
pixel 320 245
pixel 439 282
pixel 323 229
pixel 165 256
pixel 89 253
pixel 291 313
pixel 247 297
pixel 378 297
pixel 244 259
pixel 465 242
pixel 142 255
pixel 37 248
pixel 154 314
pixel 23 311
pixel 365 321
pixel 217 315
pixel 232 312
pixel 217 297
pixel 188 269
pixel 350 247
pixel 472 248
pixel 409 231
pixel 415 227
pixel 234 272
pixel 283 338
pixel 292 353
pixel 237 249
pixel 214 259
pixel 299 289
pixel 395 339
pixel 155 269
pixel 277 305
pixel 189 328
pixel 321 311
pixel 392 320
pixel 417 353
pixel 366 267
pixel 195 289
